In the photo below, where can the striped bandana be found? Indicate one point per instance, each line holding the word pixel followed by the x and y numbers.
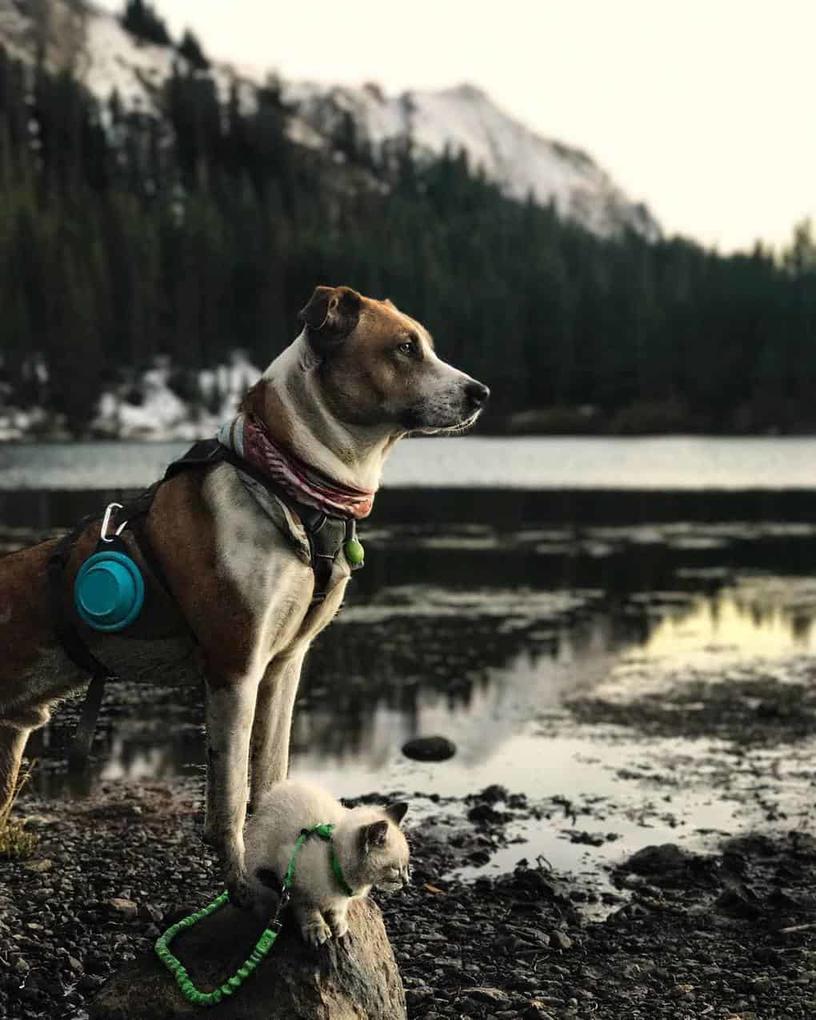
pixel 247 437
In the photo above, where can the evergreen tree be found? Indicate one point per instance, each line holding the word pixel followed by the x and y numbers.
pixel 140 19
pixel 190 49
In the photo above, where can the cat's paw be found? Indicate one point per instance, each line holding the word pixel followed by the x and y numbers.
pixel 316 932
pixel 339 927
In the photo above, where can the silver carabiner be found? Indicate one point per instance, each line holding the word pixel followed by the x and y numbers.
pixel 109 511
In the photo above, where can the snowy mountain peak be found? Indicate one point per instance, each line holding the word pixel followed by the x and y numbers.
pixel 464 118
pixel 459 118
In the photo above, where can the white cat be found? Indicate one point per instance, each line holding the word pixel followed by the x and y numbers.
pixel 367 843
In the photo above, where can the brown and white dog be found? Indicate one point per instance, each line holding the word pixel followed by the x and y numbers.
pixel 361 375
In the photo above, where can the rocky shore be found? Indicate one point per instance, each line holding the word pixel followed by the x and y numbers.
pixel 730 934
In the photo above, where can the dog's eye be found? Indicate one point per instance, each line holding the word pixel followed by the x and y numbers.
pixel 408 347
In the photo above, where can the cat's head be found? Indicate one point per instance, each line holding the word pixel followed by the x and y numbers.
pixel 382 850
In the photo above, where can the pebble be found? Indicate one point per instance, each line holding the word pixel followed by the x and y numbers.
pixel 491 995
pixel 40 866
pixel 560 940
pixel 123 907
pixel 429 748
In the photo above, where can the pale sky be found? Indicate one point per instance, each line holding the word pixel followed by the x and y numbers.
pixel 704 109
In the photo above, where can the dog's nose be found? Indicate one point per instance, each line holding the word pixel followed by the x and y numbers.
pixel 477 393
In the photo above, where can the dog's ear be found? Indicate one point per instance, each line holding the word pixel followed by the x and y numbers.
pixel 331 314
pixel 396 811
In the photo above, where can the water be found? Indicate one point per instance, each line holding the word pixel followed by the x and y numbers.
pixel 675 463
pixel 482 614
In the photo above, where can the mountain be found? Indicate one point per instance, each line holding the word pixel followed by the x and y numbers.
pixel 465 118
pixel 105 57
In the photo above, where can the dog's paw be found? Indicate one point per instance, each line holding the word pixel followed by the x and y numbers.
pixel 316 932
pixel 240 892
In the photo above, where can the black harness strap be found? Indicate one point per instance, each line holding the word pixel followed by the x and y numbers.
pixel 72 641
pixel 76 650
pixel 326 535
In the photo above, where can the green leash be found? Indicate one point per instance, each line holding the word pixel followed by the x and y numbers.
pixel 268 935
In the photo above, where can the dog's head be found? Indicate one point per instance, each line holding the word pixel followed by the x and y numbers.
pixel 378 366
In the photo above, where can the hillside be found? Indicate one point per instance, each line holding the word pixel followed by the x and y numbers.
pixel 105 57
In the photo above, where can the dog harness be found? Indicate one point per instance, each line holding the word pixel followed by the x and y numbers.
pixel 318 537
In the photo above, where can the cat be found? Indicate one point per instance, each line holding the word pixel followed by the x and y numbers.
pixel 369 845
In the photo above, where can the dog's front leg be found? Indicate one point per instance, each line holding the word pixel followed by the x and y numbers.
pixel 12 744
pixel 230 710
pixel 273 722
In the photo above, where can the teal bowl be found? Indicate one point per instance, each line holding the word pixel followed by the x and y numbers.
pixel 109 591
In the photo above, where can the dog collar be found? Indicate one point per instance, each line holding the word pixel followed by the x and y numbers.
pixel 246 436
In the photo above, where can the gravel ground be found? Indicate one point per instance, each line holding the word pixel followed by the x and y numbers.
pixel 725 935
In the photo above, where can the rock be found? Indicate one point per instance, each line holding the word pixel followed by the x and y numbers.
pixel 478 857
pixel 656 860
pixel 40 866
pixel 484 814
pixel 492 995
pixel 560 940
pixel 429 749
pixel 492 794
pixel 535 1011
pixel 148 912
pixel 738 902
pixel 125 908
pixel 356 976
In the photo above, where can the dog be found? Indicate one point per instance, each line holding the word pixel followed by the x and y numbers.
pixel 359 376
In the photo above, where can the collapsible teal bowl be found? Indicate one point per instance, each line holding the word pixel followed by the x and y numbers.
pixel 109 591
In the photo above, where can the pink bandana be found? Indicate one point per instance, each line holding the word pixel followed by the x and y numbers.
pixel 250 440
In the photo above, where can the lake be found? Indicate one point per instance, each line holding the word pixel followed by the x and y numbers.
pixel 674 462
pixel 512 588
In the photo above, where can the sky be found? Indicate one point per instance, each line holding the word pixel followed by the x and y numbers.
pixel 704 109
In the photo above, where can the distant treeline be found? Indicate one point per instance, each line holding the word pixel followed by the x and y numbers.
pixel 123 237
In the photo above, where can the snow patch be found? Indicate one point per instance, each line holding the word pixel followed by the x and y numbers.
pixel 151 408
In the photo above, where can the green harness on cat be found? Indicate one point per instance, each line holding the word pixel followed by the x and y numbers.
pixel 268 935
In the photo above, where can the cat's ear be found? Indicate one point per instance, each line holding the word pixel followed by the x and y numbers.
pixel 374 834
pixel 396 812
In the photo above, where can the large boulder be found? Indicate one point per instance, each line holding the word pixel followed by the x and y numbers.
pixel 353 979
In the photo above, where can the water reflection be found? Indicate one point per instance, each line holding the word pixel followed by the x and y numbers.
pixel 745 620
pixel 475 630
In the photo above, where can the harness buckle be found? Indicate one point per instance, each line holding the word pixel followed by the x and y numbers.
pixel 106 520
